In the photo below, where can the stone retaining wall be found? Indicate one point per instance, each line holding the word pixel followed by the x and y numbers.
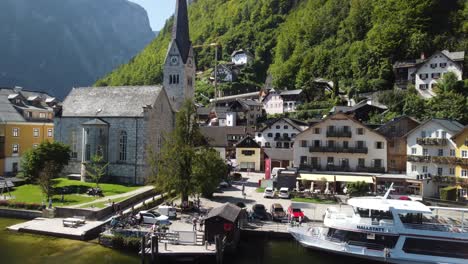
pixel 19 213
pixel 90 214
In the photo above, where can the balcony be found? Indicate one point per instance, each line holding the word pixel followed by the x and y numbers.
pixel 370 169
pixel 339 133
pixel 282 138
pixel 361 150
pixel 422 159
pixel 308 167
pixel 338 168
pixel 432 141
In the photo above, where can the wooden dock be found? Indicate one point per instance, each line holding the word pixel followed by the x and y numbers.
pixel 181 250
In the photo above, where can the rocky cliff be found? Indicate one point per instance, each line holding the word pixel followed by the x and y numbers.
pixel 55 45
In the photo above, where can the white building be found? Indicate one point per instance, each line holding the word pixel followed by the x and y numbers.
pixel 340 143
pixel 282 102
pixel 425 73
pixel 431 153
pixel 241 57
pixel 280 134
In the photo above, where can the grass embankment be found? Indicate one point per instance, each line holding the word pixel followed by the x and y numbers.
pixel 313 200
pixel 260 190
pixel 75 192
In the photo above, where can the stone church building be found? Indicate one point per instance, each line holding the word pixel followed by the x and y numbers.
pixel 126 124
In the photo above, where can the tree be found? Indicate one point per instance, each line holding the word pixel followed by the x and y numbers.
pixel 34 159
pixel 178 156
pixel 208 171
pixel 96 169
pixel 46 177
pixel 357 188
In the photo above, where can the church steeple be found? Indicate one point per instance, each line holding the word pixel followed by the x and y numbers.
pixel 180 30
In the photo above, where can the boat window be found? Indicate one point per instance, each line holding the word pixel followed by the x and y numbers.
pixel 374 214
pixel 368 240
pixel 439 248
pixel 410 218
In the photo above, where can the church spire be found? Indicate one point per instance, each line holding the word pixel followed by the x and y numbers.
pixel 180 30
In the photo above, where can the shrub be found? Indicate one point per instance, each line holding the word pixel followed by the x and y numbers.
pixel 236 176
pixel 122 242
pixel 357 188
pixel 448 193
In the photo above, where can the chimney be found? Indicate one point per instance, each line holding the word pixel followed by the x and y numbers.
pixel 423 56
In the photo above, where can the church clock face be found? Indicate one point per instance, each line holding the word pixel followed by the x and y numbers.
pixel 174 60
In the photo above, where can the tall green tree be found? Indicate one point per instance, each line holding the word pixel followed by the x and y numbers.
pixel 46 178
pixel 96 169
pixel 34 159
pixel 183 162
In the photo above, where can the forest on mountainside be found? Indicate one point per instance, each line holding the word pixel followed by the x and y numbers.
pixel 352 42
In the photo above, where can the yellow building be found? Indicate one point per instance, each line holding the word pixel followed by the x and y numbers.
pixel 25 122
pixel 248 154
pixel 461 140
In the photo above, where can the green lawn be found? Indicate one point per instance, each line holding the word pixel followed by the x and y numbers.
pixel 313 200
pixel 77 192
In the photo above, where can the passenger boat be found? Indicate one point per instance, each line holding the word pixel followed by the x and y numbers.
pixel 391 231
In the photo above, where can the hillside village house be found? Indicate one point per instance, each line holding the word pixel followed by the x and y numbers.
pixel 395 131
pixel 224 139
pixel 361 111
pixel 241 57
pixel 244 113
pixel 461 170
pixel 431 154
pixel 280 133
pixel 122 124
pixel 340 149
pixel 25 122
pixel 424 73
pixel 279 102
pixel 248 154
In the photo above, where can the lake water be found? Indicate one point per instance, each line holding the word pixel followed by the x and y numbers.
pixel 25 248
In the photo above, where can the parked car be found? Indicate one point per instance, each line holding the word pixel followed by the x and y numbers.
pixel 224 184
pixel 284 193
pixel 150 217
pixel 269 193
pixel 168 210
pixel 277 212
pixel 295 214
pixel 259 212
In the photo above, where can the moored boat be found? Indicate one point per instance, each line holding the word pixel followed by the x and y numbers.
pixel 391 231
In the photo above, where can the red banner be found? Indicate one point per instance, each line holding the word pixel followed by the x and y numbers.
pixel 267 168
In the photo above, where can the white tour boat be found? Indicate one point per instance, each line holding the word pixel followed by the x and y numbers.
pixel 391 231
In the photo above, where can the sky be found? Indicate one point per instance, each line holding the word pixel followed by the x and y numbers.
pixel 158 11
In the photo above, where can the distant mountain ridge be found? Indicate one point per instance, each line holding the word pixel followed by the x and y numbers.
pixel 56 45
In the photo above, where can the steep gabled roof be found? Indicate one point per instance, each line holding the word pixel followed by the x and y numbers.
pixel 247 142
pixel 455 56
pixel 460 132
pixel 346 116
pixel 396 120
pixel 227 211
pixel 180 30
pixel 451 125
pixel 125 101
pixel 287 120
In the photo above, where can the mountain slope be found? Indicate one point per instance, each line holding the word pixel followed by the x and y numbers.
pixel 354 42
pixel 55 45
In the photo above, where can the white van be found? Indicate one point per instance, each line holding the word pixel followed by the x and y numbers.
pixel 168 210
pixel 274 171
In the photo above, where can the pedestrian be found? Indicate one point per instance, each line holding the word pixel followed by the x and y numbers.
pixel 194 222
pixel 113 207
pixel 63 198
pixel 202 222
pixel 50 203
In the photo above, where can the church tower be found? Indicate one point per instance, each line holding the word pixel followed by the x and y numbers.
pixel 179 67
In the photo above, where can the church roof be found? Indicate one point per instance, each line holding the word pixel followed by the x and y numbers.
pixel 180 30
pixel 125 101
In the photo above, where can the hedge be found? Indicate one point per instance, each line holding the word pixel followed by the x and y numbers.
pixel 20 205
pixel 448 193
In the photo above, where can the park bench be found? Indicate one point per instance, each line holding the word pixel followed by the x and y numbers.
pixel 73 221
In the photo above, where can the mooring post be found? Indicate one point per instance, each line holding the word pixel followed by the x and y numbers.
pixel 219 249
pixel 143 249
pixel 152 249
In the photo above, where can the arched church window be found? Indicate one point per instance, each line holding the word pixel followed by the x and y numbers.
pixel 100 151
pixel 123 146
pixel 170 79
pixel 177 78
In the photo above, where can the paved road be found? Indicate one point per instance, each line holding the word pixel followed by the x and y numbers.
pixel 250 180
